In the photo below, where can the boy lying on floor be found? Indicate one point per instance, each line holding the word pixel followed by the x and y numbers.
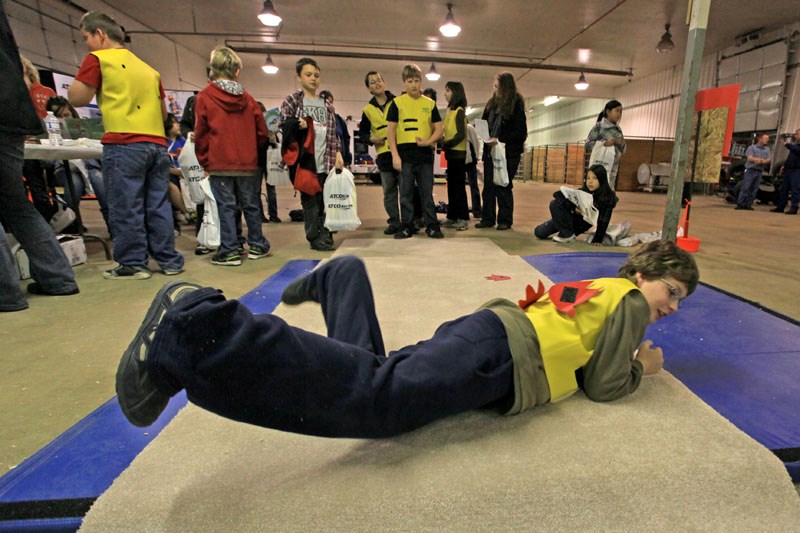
pixel 504 356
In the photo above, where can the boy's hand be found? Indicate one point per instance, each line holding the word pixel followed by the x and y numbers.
pixel 339 165
pixel 652 359
pixel 422 142
pixel 397 163
pixel 377 141
pixel 491 141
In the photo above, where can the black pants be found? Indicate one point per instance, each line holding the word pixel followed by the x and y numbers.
pixel 260 370
pixel 457 208
pixel 496 199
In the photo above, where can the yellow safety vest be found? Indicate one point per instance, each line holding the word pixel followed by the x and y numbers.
pixel 378 124
pixel 451 128
pixel 129 97
pixel 413 118
pixel 567 343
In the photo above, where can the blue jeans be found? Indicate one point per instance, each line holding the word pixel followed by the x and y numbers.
pixel 93 168
pixel 262 371
pixel 49 266
pixel 390 181
pixel 139 213
pixel 244 189
pixel 415 175
pixel 749 190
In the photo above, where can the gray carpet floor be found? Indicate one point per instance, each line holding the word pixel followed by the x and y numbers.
pixel 659 460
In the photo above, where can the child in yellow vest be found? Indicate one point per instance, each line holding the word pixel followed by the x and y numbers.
pixel 414 127
pixel 135 161
pixel 505 356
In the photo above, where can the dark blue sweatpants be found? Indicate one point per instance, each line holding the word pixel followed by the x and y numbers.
pixel 260 370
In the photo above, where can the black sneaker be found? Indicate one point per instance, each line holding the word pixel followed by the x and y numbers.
pixel 298 291
pixel 403 234
pixel 483 224
pixel 35 288
pixel 275 220
pixel 127 272
pixel 322 245
pixel 140 400
pixel 391 230
pixel 229 259
pixel 257 252
pixel 202 250
pixel 434 233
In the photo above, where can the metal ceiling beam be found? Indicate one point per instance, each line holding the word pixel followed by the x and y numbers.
pixel 400 56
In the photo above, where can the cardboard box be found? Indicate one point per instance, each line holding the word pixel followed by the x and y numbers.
pixel 74 248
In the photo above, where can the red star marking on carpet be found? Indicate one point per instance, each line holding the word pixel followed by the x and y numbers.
pixel 498 277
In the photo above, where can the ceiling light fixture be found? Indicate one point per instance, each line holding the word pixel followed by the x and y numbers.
pixel 449 28
pixel 550 100
pixel 432 75
pixel 582 84
pixel 270 67
pixel 665 44
pixel 268 15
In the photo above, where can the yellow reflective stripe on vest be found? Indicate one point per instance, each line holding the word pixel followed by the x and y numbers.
pixel 378 124
pixel 129 97
pixel 566 342
pixel 451 128
pixel 413 118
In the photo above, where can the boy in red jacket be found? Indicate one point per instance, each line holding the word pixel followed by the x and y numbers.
pixel 228 128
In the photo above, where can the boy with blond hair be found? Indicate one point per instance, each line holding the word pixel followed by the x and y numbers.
pixel 414 127
pixel 228 129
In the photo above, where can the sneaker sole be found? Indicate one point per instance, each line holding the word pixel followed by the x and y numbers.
pixel 139 275
pixel 260 256
pixel 143 411
pixel 227 263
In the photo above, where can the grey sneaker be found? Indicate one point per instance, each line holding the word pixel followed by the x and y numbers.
pixel 462 225
pixel 172 271
pixel 127 272
pixel 559 238
pixel 140 400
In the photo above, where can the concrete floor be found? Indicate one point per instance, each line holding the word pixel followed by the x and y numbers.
pixel 58 358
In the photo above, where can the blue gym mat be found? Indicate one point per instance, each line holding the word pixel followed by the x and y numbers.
pixel 739 357
pixel 54 488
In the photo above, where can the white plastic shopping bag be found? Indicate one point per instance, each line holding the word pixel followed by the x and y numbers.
pixel 192 171
pixel 500 165
pixel 603 155
pixel 341 209
pixel 209 234
pixel 276 174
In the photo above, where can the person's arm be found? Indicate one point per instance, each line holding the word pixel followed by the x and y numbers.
pixel 80 94
pixel 364 129
pixel 793 148
pixel 391 136
pixel 593 137
pixel 603 219
pixel 437 128
pixel 162 95
pixel 612 372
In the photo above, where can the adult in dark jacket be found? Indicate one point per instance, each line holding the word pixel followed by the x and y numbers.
pixel 49 266
pixel 505 113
